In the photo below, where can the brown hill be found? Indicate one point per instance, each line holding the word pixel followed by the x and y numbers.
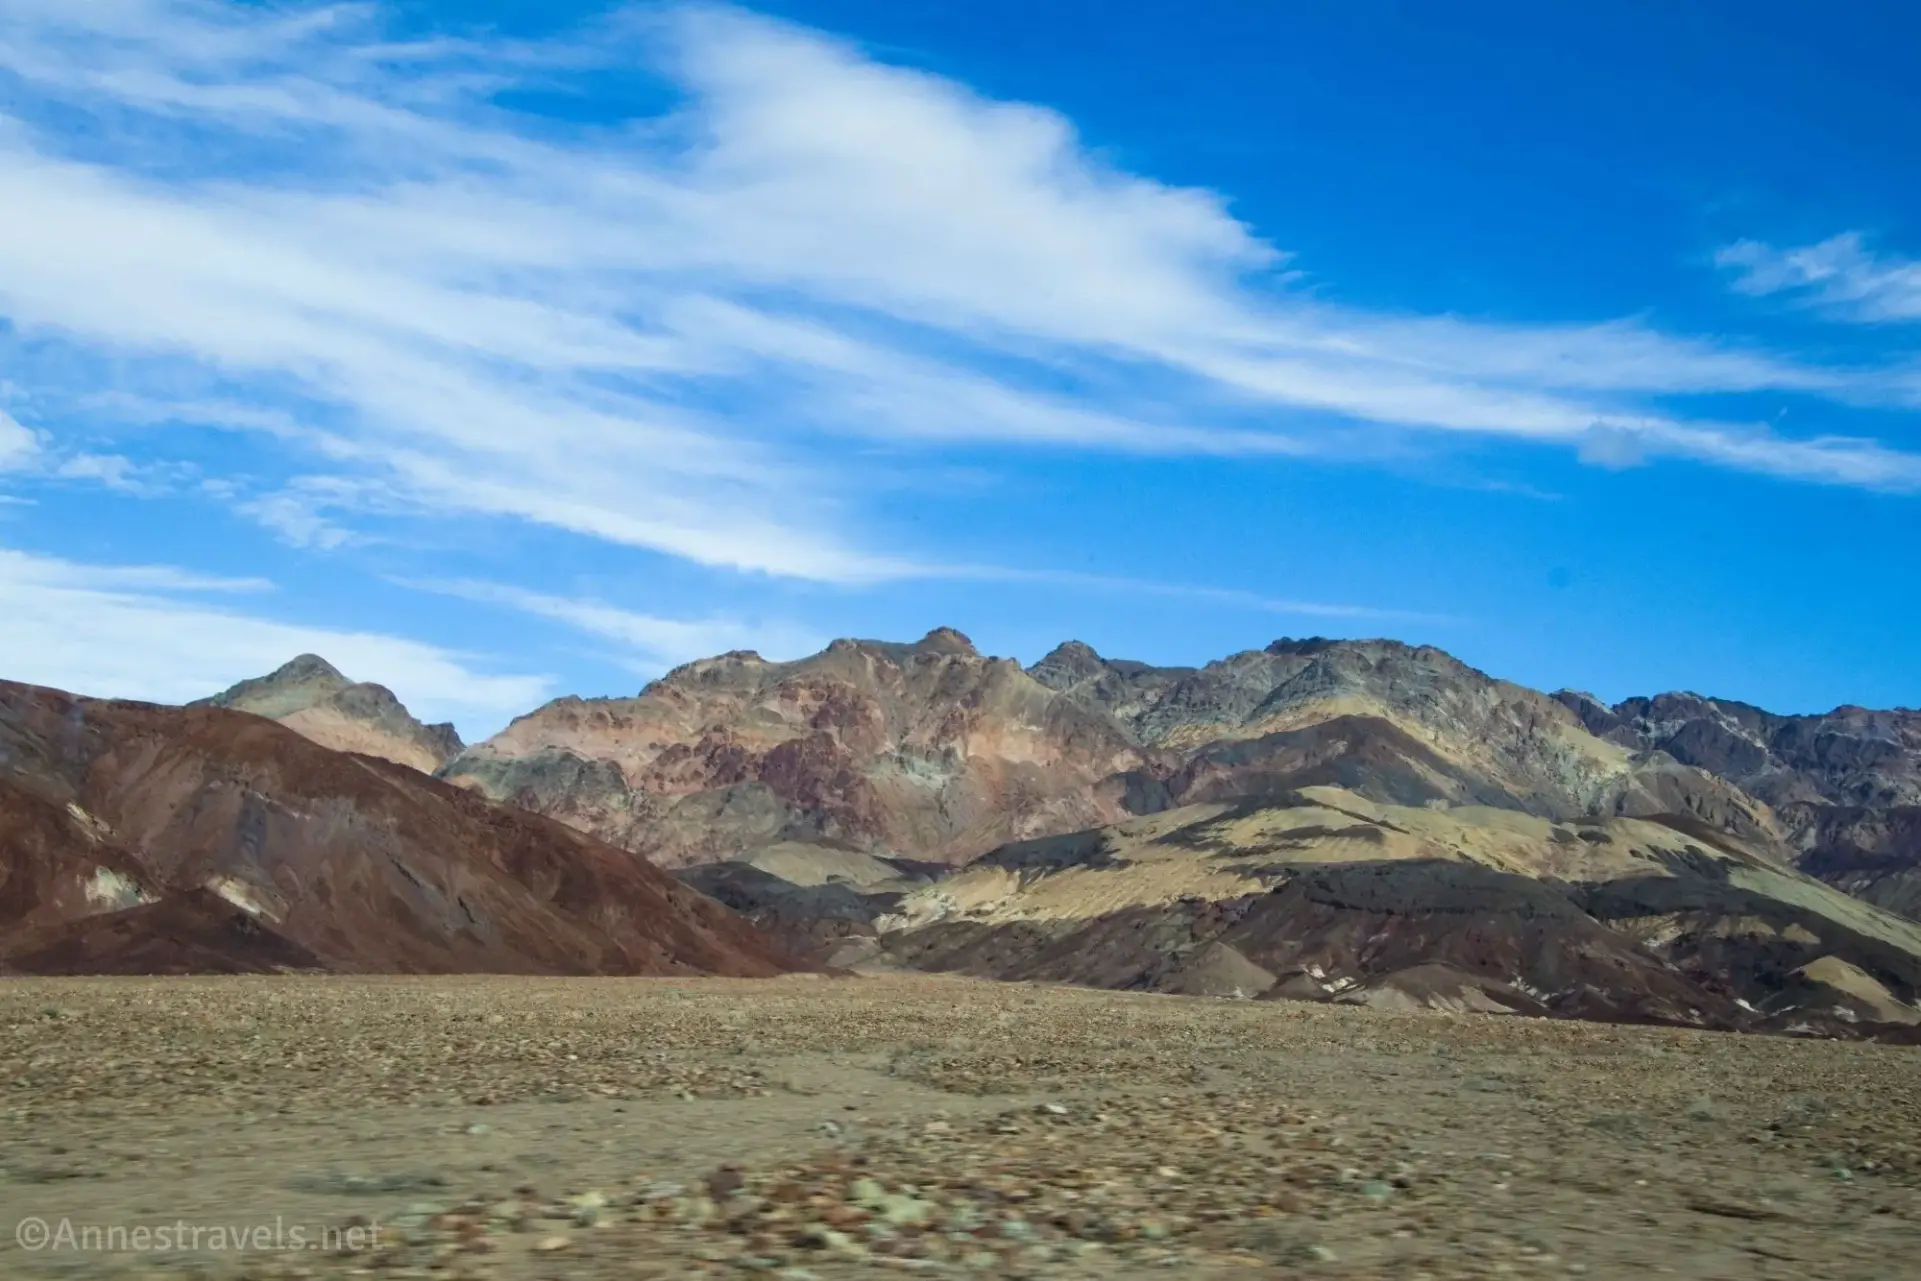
pixel 932 751
pixel 138 838
pixel 310 695
pixel 191 932
pixel 59 862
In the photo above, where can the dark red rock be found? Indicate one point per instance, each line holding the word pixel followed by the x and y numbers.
pixel 340 861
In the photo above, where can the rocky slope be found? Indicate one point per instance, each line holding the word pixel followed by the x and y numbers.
pixel 1846 784
pixel 932 751
pixel 1871 853
pixel 1851 756
pixel 815 900
pixel 310 695
pixel 928 750
pixel 144 839
pixel 1325 895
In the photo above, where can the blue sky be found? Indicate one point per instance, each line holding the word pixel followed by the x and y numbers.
pixel 501 350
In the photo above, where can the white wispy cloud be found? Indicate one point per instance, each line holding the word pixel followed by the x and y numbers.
pixel 298 514
pixel 654 643
pixel 22 570
pixel 17 444
pixel 1199 592
pixel 653 332
pixel 116 471
pixel 651 644
pixel 1840 275
pixel 137 631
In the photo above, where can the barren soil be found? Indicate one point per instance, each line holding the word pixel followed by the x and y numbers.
pixel 825 1128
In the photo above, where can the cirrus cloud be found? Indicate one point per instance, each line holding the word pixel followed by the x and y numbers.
pixel 143 631
pixel 663 332
pixel 1840 275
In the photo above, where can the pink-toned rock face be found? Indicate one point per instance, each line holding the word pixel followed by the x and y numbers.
pixel 932 751
pixel 928 750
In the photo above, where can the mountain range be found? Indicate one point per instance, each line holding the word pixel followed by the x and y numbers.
pixel 932 751
pixel 1332 820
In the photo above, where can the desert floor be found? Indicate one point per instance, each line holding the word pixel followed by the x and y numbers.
pixel 533 1128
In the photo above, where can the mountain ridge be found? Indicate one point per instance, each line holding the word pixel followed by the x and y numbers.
pixel 931 750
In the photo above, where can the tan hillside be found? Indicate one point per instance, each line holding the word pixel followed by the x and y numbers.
pixel 311 697
pixel 1470 908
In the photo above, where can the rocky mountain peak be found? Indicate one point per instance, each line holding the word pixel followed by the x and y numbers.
pixel 312 696
pixel 1073 651
pixel 946 640
pixel 296 684
pixel 1068 663
pixel 1303 646
pixel 307 667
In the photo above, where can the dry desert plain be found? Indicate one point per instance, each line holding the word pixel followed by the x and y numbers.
pixel 900 1125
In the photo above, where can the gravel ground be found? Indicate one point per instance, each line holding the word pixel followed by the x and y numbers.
pixel 809 1128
